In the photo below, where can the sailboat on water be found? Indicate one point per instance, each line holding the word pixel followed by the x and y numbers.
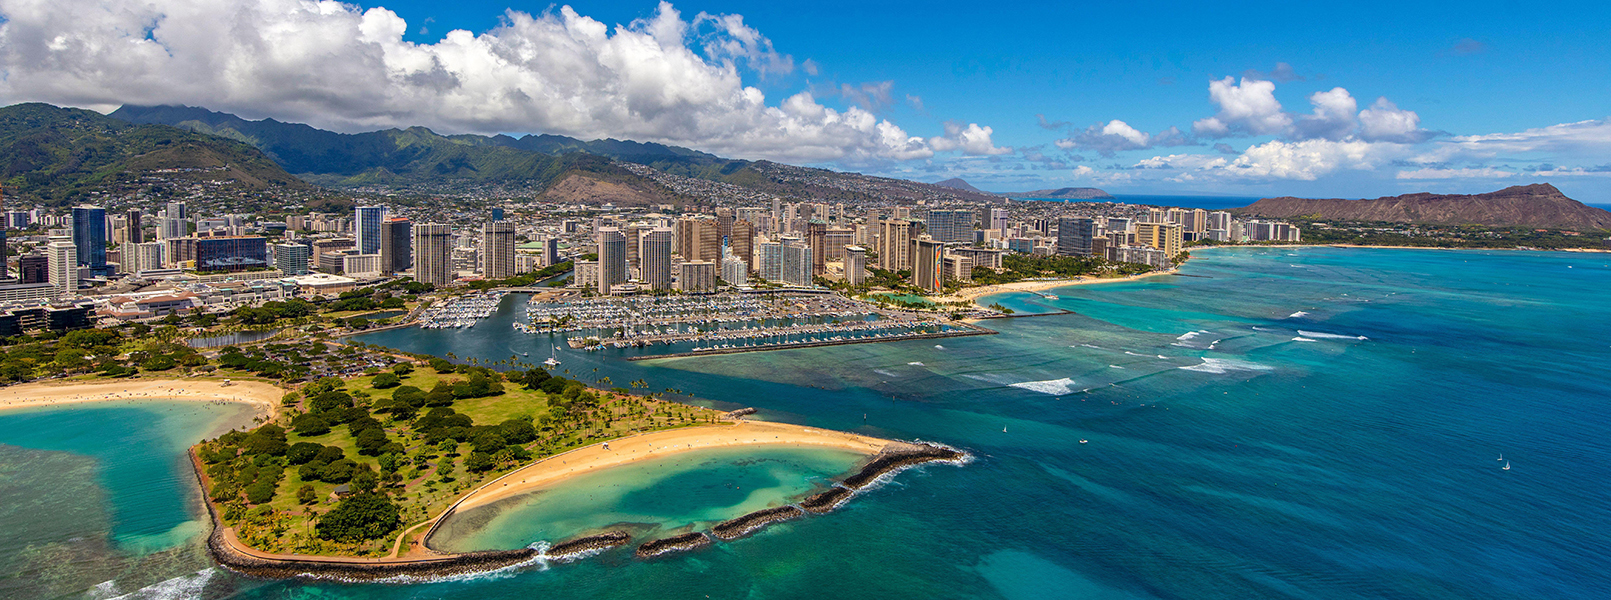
pixel 1506 467
pixel 552 361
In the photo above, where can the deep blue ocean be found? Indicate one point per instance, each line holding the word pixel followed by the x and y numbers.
pixel 1310 423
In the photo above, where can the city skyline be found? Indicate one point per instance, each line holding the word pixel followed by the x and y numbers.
pixel 1009 102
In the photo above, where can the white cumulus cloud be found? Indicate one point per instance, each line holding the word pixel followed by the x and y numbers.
pixel 1333 117
pixel 1386 122
pixel 663 78
pixel 970 139
pixel 1118 136
pixel 1249 107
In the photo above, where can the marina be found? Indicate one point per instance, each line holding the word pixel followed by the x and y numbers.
pixel 462 311
pixel 730 323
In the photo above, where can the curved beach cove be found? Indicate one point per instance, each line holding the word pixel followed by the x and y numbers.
pixel 652 497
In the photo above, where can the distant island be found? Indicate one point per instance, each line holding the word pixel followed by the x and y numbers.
pixel 1068 193
pixel 1540 205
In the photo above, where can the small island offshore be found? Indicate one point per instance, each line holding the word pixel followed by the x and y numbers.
pixel 348 479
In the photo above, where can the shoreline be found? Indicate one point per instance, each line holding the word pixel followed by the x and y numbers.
pixel 264 397
pixel 1368 246
pixel 653 445
pixel 974 294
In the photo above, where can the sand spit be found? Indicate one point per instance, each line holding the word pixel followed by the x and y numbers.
pixel 590 543
pixel 755 521
pixel 676 543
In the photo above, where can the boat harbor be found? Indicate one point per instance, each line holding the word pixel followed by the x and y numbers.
pixel 462 311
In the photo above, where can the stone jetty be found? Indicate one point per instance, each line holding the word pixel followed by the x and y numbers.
pixel 900 456
pixel 827 501
pixel 755 521
pixel 676 543
pixel 588 544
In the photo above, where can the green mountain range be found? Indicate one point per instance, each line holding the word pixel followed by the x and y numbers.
pixel 58 156
pixel 566 168
pixel 417 154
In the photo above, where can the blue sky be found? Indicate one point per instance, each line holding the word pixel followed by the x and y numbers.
pixel 1009 96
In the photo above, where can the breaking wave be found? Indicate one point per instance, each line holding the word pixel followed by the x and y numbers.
pixel 1221 366
pixel 1055 387
pixel 1329 336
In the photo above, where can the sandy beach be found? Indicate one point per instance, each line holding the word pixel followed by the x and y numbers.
pixel 265 397
pixel 659 444
pixel 974 293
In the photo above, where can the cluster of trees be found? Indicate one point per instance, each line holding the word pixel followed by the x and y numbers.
pixel 523 279
pixel 233 358
pixel 246 464
pixel 493 445
pixel 270 312
pixel 322 463
pixel 365 299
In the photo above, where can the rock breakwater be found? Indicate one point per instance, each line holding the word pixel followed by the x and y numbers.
pixel 676 543
pixel 827 501
pixel 896 457
pixel 755 521
pixel 590 543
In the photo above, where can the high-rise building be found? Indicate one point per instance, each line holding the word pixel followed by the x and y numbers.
pixel 433 254
pixel 835 241
pixel 769 261
pixel 855 265
pixel 734 271
pixel 551 252
pixel 89 237
pixel 231 253
pixel 132 221
pixel 498 250
pixel 655 255
pixel 958 267
pixel 724 223
pixel 1197 220
pixel 928 263
pixel 895 244
pixel 33 268
pixel 951 226
pixel 292 259
pixel 796 262
pixel 817 237
pixel 1074 236
pixel 612 259
pixel 366 222
pixel 497 214
pixel 698 239
pixel 742 243
pixel 145 256
pixel 63 265
pixel 396 245
pixel 697 276
pixel 18 219
pixel 360 265
pixel 1219 220
pixel 1162 236
pixel 998 220
pixel 1119 224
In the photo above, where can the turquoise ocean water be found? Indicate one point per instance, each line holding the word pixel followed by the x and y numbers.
pixel 1280 423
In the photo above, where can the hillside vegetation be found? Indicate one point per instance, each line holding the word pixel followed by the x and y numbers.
pixel 61 155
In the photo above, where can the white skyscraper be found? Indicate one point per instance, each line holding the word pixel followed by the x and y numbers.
pixel 63 265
